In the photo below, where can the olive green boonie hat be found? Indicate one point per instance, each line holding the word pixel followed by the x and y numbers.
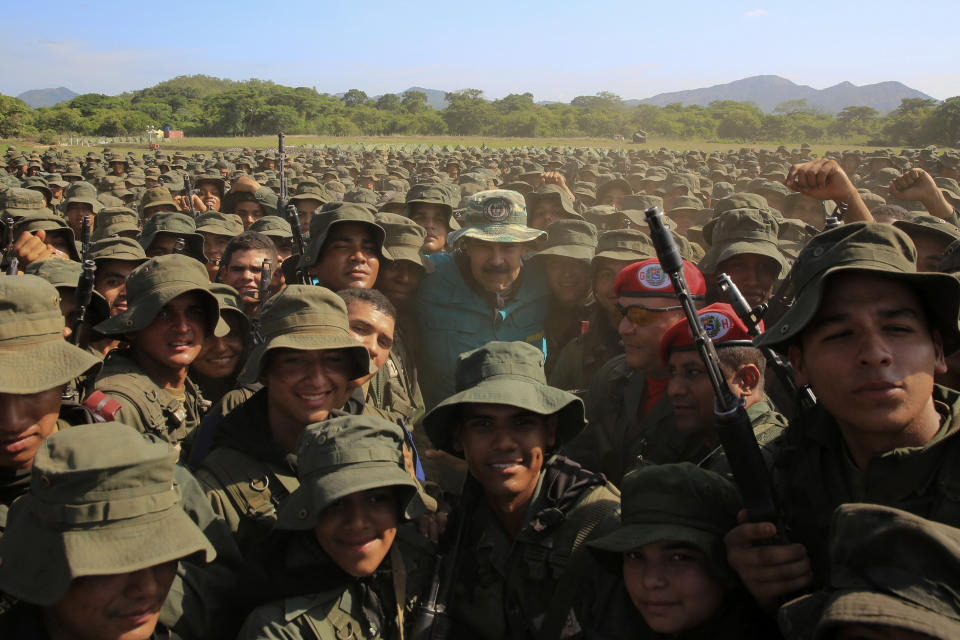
pixel 31 338
pixel 869 248
pixel 496 215
pixel 404 238
pixel 323 221
pixel 508 373
pixel 117 248
pixel 179 225
pixel 742 231
pixel 111 221
pixel 304 318
pixel 624 244
pixel 575 239
pixel 102 501
pixel 18 203
pixel 221 224
pixel 929 225
pixel 154 284
pixel 347 455
pixel 887 567
pixel 273 226
pixel 674 502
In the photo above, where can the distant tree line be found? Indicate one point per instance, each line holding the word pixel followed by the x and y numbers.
pixel 206 106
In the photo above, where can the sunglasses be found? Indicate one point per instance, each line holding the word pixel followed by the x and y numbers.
pixel 640 316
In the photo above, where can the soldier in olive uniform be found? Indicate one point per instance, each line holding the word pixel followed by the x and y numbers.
pixel 351 563
pixel 526 511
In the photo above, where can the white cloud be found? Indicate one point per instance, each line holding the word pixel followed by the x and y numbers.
pixel 755 13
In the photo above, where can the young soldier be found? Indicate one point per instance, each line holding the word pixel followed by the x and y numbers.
pixel 691 394
pixel 242 267
pixel 93 549
pixel 350 562
pixel 346 246
pixel 526 510
pixel 868 334
pixel 429 206
pixel 170 311
pixel 306 361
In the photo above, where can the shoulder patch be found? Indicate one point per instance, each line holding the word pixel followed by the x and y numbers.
pixel 103 407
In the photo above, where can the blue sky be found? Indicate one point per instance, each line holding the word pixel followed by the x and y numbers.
pixel 556 50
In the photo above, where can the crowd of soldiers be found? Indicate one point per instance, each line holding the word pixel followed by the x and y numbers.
pixel 453 393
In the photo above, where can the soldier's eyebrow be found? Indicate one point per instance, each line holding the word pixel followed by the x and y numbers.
pixel 899 312
pixel 842 316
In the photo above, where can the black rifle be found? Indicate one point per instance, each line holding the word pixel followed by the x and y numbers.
pixel 290 212
pixel 752 317
pixel 85 237
pixel 835 219
pixel 431 619
pixel 179 245
pixel 733 424
pixel 188 194
pixel 84 294
pixel 266 274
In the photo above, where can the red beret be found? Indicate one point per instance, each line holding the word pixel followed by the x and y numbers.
pixel 647 279
pixel 721 323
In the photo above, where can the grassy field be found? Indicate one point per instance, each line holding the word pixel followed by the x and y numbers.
pixel 267 142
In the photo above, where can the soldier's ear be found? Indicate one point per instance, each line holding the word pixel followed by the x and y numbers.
pixel 940 359
pixel 748 378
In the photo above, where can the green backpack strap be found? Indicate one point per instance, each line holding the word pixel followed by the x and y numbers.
pixel 253 489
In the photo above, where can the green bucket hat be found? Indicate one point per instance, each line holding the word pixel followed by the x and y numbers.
pixel 31 338
pixel 98 492
pixel 155 197
pixel 273 226
pixel 624 244
pixel 929 225
pixel 741 231
pixel 323 221
pixel 155 283
pixel 887 567
pixel 175 224
pixel 674 502
pixel 59 273
pixel 82 192
pixel 221 224
pixel 22 203
pixel 230 305
pixel 571 238
pixel 508 373
pixel 345 455
pixel 558 195
pixel 870 248
pixel 404 238
pixel 111 221
pixel 117 248
pixel 50 224
pixel 305 318
pixel 496 215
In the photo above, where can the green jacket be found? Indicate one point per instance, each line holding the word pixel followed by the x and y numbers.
pixel 337 611
pixel 613 438
pixel 768 425
pixel 147 406
pixel 578 362
pixel 505 587
pixel 561 327
pixel 813 474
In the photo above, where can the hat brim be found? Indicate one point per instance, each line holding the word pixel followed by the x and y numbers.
pixel 302 508
pixel 633 536
pixel 313 340
pixel 577 252
pixel 502 233
pixel 509 390
pixel 718 253
pixel 40 562
pixel 50 364
pixel 623 255
pixel 139 314
pixel 940 293
pixel 407 253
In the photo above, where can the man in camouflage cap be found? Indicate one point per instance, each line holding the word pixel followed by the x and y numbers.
pixel 867 333
pixel 169 312
pixel 526 510
pixel 482 292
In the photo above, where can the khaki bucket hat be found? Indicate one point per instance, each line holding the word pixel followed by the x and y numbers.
pixel 305 318
pixel 155 283
pixel 102 501
pixel 887 567
pixel 870 248
pixel 345 455
pixel 508 373
pixel 31 338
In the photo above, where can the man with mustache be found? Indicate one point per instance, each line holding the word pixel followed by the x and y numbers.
pixel 481 292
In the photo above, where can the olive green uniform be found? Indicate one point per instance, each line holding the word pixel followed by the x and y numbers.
pixel 581 358
pixel 768 425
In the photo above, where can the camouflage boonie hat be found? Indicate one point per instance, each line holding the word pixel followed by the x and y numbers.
pixel 155 283
pixel 305 318
pixel 21 203
pixel 496 215
pixel 624 244
pixel 950 262
pixel 111 221
pixel 31 338
pixel 179 225
pixel 404 239
pixel 887 567
pixel 347 455
pixel 675 502
pixel 50 224
pixel 742 231
pixel 508 373
pixel 156 197
pixel 221 224
pixel 117 248
pixel 97 493
pixel 347 212
pixel 869 248
pixel 575 239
